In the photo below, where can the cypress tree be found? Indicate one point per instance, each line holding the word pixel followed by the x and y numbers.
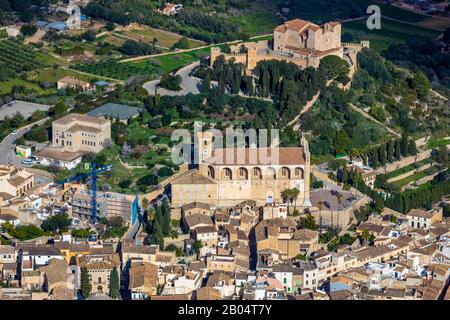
pixel 221 85
pixel 375 163
pixel 207 82
pixel 85 284
pixel 390 151
pixel 404 145
pixel 114 284
pixel 250 86
pixel 397 149
pixel 412 148
pixel 382 153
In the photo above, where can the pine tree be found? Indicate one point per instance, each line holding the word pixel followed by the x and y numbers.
pixel 85 284
pixel 114 284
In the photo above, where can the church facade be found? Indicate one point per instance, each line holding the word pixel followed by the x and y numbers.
pixel 228 176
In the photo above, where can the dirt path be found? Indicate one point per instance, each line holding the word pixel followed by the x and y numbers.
pixel 92 75
pixel 368 116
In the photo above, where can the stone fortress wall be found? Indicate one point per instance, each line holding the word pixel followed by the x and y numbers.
pixel 297 41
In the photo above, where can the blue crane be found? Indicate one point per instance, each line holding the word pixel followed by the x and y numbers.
pixel 93 173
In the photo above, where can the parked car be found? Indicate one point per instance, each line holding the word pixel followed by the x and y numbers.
pixel 27 162
pixel 14 132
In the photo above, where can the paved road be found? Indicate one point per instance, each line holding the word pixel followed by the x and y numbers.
pixel 188 84
pixel 23 107
pixel 7 152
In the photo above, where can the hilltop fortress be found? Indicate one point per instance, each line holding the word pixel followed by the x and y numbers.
pixel 298 41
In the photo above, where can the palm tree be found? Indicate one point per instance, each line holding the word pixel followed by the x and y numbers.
pixel 295 193
pixel 286 195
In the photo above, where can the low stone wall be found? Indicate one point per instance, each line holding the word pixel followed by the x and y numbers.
pixel 40 172
pixel 409 173
pixel 340 218
pixel 405 162
pixel 179 241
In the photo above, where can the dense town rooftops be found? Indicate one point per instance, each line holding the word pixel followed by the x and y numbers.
pixel 143 275
pixel 194 220
pixel 196 204
pixel 134 248
pixel 421 213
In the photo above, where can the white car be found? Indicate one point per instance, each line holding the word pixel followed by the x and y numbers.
pixel 14 132
pixel 27 162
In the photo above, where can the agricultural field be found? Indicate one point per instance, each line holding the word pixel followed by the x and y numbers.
pixel 165 39
pixel 258 22
pixel 436 143
pixel 17 57
pixel 115 70
pixel 406 169
pixel 6 87
pixel 390 32
pixel 154 66
pixel 415 177
pixel 53 75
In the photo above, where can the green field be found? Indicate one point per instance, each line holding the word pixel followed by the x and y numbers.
pixel 416 176
pixel 436 143
pixel 6 87
pixel 53 75
pixel 255 23
pixel 165 39
pixel 115 70
pixel 390 32
pixel 392 11
pixel 18 57
pixel 406 169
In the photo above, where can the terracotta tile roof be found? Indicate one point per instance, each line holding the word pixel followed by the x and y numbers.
pixel 421 213
pixel 196 204
pixel 298 25
pixel 79 127
pixel 207 293
pixel 73 117
pixel 57 154
pixel 144 275
pixel 197 219
pixel 193 178
pixel 253 156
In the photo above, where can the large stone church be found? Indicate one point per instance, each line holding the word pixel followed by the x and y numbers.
pixel 228 176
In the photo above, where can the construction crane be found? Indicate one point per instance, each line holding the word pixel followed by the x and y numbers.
pixel 93 173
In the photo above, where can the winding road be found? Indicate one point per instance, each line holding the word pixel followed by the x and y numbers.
pixel 189 84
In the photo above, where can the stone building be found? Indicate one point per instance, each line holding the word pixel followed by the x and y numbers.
pixel 14 181
pixel 76 132
pixel 298 41
pixel 228 176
